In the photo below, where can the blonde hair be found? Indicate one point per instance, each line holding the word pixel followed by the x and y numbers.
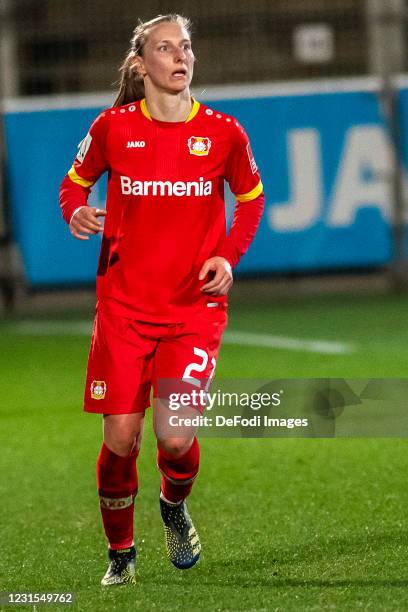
pixel 131 84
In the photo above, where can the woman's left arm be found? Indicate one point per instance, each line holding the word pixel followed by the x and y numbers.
pixel 245 182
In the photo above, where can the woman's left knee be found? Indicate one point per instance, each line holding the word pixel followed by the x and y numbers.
pixel 176 447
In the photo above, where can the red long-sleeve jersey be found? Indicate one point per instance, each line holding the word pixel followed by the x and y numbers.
pixel 165 206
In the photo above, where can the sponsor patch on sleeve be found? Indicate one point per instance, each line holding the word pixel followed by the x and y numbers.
pixel 83 147
pixel 251 158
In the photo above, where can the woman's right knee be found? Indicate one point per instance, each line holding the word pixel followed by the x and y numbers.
pixel 123 432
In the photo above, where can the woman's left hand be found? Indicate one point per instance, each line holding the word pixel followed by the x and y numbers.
pixel 221 277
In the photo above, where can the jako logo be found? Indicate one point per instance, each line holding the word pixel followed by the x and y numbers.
pixel 135 144
pixel 165 188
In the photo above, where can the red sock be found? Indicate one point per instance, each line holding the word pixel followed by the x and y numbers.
pixel 117 487
pixel 178 473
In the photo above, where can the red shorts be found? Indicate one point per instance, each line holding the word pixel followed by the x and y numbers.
pixel 127 358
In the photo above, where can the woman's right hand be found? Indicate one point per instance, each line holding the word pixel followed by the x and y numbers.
pixel 84 222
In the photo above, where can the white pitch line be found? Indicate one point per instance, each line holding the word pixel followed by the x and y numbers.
pixel 291 344
pixel 84 328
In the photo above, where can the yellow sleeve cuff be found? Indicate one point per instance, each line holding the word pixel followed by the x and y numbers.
pixel 75 178
pixel 251 195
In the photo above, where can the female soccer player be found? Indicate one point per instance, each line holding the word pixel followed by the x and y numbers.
pixel 164 270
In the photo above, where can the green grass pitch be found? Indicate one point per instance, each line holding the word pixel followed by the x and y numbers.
pixel 288 524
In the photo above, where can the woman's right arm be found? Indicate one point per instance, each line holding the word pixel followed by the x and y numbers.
pixel 89 164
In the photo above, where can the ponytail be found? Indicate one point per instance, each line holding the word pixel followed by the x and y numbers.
pixel 131 84
pixel 131 87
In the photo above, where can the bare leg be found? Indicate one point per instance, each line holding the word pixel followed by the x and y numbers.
pixel 122 433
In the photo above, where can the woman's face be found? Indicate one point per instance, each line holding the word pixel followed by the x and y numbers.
pixel 168 59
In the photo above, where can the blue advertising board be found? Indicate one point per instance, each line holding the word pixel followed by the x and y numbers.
pixel 325 160
pixel 41 146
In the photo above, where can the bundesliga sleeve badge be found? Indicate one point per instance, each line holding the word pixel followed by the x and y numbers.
pixel 83 147
pixel 98 389
pixel 199 145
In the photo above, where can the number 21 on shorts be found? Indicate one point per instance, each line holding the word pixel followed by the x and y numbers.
pixel 199 367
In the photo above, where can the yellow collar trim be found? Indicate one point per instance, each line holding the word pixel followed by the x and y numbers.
pixel 194 110
pixel 143 108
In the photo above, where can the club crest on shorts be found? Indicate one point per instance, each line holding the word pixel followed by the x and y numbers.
pixel 98 389
pixel 199 145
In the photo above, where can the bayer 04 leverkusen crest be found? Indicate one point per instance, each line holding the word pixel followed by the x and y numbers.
pixel 199 145
pixel 98 389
